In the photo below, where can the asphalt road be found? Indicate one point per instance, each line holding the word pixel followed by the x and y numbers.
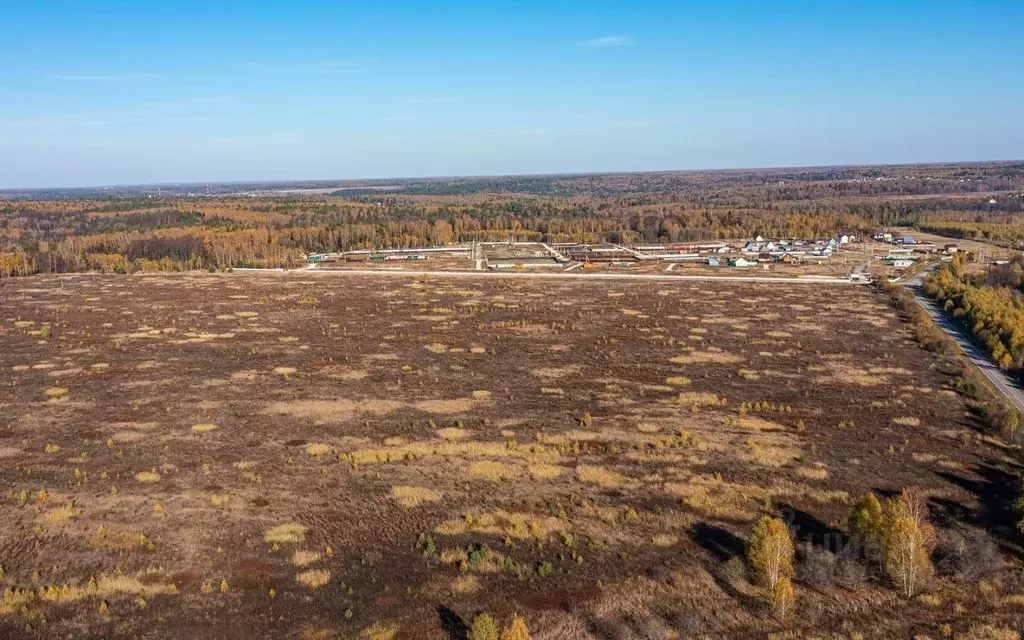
pixel 1003 382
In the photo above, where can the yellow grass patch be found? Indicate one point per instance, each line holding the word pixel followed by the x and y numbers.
pixel 55 393
pixel 812 473
pixel 897 371
pixel 147 476
pixel 51 448
pixel 706 357
pixel 645 427
pixel 491 470
pixel 842 373
pixel 755 423
pixel 61 514
pixel 716 498
pixel 452 434
pixel 443 407
pixel 317 449
pixel 605 478
pixel 410 497
pixel 664 540
pixel 768 455
pixel 314 578
pixel 700 399
pixel 100 587
pixel 303 558
pixel 203 427
pixel 288 533
pixel 907 421
pixel 677 381
pixel 418 450
pixel 380 631
pixel 520 526
pixel 65 372
pixel 332 410
pixel 466 584
pixel 543 471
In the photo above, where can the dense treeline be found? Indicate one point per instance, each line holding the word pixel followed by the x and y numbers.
pixel 1003 234
pixel 140 230
pixel 995 314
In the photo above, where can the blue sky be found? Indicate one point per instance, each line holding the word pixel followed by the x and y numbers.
pixel 105 92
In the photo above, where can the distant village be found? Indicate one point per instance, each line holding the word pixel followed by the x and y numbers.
pixel 758 252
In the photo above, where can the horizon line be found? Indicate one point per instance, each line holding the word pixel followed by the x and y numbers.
pixel 123 185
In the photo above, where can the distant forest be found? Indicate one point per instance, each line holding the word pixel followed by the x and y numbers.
pixel 273 225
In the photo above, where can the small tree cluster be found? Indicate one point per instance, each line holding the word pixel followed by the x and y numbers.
pixel 484 628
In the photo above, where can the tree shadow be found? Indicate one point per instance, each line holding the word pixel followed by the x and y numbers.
pixel 810 530
pixel 724 546
pixel 721 543
pixel 885 493
pixel 452 624
pixel 997 491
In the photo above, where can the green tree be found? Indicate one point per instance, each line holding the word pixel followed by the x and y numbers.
pixel 866 520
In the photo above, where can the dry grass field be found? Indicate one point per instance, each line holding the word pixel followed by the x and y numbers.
pixel 282 456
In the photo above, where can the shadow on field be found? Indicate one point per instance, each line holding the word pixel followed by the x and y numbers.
pixel 452 624
pixel 808 529
pixel 721 543
pixel 997 492
pixel 724 546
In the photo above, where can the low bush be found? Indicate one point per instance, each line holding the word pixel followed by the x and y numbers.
pixel 966 554
pixel 817 568
pixel 850 573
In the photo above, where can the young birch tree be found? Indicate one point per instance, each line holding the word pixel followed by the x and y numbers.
pixel 908 540
pixel 770 551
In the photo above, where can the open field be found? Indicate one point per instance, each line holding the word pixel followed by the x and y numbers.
pixel 266 456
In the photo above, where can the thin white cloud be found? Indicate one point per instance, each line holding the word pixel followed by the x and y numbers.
pixel 109 78
pixel 429 100
pixel 608 41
